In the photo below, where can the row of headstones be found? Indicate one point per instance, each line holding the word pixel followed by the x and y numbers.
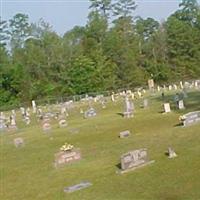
pixel 195 84
pixel 167 108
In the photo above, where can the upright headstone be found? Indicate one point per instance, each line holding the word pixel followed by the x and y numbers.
pixel 3 126
pixel 181 85
pixel 175 87
pixel 13 125
pixel 113 97
pixel 151 84
pixel 34 106
pixel 22 109
pixel 134 159
pixel 181 104
pixel 129 108
pixel 167 107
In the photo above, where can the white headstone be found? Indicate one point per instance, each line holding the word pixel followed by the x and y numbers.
pixel 181 104
pixel 167 107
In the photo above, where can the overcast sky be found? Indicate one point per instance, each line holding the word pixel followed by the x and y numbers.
pixel 65 14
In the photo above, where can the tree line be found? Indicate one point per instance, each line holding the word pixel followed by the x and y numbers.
pixel 115 49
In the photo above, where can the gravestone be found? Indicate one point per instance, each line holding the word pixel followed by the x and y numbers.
pixel 113 97
pixel 66 157
pixel 181 84
pixel 13 125
pixel 129 108
pixel 181 104
pixel 18 142
pixel 139 94
pixel 34 106
pixel 3 126
pixel 175 87
pixel 170 87
pixel 171 153
pixel 151 84
pixel 62 123
pixel 145 103
pixel 79 186
pixel 124 134
pixel 134 159
pixel 167 108
pixel 22 109
pixel 90 113
pixel 191 118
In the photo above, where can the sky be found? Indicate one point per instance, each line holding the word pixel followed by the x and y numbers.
pixel 63 15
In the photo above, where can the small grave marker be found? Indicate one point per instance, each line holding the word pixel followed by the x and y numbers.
pixel 79 186
pixel 124 134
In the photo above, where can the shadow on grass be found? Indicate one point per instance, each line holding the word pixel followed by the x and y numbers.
pixel 118 166
pixel 121 114
pixel 178 125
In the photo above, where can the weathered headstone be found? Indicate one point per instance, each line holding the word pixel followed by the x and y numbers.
pixel 134 159
pixel 79 186
pixel 167 108
pixel 124 134
pixel 129 108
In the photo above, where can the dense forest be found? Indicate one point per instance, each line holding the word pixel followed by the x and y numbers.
pixel 115 49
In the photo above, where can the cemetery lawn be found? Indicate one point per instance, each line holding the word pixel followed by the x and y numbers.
pixel 28 173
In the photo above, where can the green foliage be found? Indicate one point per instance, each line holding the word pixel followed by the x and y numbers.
pixel 102 55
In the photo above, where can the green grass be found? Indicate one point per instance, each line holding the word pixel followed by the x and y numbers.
pixel 27 173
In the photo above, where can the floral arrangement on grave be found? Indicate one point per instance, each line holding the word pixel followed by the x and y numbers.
pixel 66 147
pixel 182 118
